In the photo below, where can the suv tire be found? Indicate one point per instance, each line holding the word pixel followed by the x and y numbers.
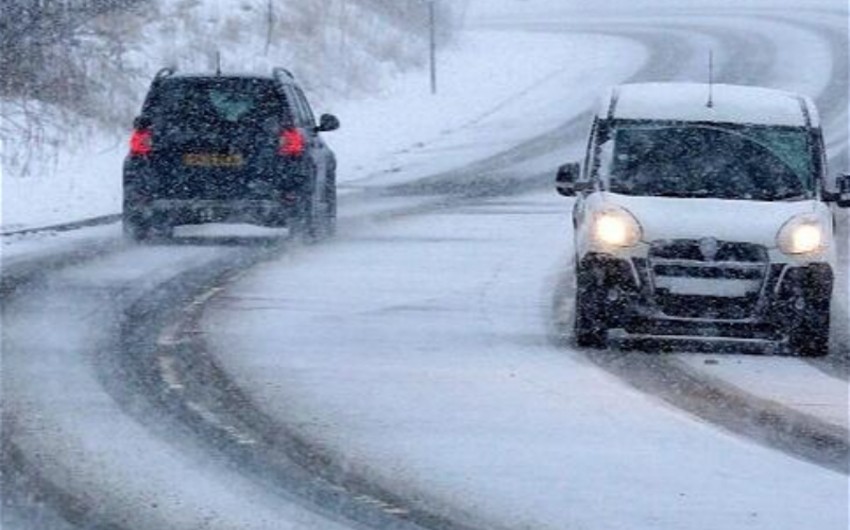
pixel 138 226
pixel 276 218
pixel 304 227
pixel 328 216
pixel 135 230
pixel 316 222
pixel 141 230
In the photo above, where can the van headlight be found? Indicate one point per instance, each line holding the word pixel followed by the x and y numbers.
pixel 616 227
pixel 801 235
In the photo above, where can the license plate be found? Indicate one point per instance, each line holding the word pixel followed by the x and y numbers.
pixel 212 160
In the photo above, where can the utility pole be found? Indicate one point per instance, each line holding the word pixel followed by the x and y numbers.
pixel 269 25
pixel 432 30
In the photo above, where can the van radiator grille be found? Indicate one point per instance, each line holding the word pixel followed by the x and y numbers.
pixel 707 279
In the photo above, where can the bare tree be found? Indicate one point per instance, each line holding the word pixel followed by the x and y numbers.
pixel 38 40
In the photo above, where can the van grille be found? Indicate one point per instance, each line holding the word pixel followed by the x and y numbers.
pixel 689 250
pixel 707 279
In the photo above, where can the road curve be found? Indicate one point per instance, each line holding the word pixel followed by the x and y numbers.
pixel 197 401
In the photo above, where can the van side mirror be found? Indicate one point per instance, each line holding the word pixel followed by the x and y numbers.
pixel 565 182
pixel 844 191
pixel 328 122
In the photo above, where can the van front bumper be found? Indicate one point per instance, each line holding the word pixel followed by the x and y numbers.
pixel 756 301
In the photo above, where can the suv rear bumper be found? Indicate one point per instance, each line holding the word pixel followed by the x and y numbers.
pixel 787 293
pixel 198 211
pixel 189 211
pixel 270 196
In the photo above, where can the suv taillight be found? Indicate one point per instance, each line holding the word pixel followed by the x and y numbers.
pixel 140 142
pixel 292 143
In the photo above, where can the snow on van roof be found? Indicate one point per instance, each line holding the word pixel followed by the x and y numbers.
pixel 688 102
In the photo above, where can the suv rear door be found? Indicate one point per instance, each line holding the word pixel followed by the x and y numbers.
pixel 216 138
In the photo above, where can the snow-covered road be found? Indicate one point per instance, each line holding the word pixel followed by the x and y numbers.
pixel 411 373
pixel 421 357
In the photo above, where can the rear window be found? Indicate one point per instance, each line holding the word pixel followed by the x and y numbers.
pixel 214 102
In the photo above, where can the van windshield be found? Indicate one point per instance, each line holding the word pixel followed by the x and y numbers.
pixel 710 161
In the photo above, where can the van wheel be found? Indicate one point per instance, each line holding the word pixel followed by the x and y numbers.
pixel 811 337
pixel 591 328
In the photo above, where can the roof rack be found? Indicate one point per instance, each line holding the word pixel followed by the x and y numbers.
pixel 282 74
pixel 168 71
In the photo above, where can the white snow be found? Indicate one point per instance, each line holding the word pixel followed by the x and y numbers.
pixel 78 436
pixel 495 89
pixel 18 251
pixel 786 382
pixel 800 47
pixel 547 9
pixel 63 183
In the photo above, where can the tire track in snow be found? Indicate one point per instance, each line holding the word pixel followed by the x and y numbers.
pixel 729 407
pixel 177 374
pixel 233 427
pixel 528 151
pixel 243 428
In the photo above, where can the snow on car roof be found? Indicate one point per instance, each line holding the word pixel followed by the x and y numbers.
pixel 213 75
pixel 688 102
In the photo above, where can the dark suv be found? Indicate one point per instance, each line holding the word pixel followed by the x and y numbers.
pixel 210 148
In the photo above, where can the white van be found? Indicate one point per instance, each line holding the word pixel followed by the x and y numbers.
pixel 702 211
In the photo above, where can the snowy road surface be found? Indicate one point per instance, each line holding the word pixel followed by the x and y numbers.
pixel 412 373
pixel 423 358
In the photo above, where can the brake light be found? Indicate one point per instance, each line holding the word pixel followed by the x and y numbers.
pixel 291 143
pixel 141 142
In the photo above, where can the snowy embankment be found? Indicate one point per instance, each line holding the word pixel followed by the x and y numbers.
pixel 495 90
